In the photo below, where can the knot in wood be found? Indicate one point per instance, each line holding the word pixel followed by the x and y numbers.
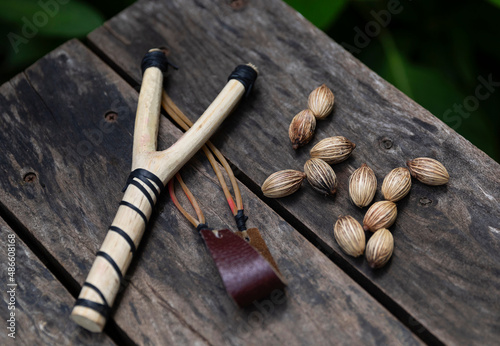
pixel 386 143
pixel 425 201
pixel 237 4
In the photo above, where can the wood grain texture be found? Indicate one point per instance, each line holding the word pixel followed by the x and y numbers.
pixel 40 303
pixel 173 293
pixel 446 264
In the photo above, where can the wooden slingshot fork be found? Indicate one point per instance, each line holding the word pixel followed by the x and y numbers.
pixel 151 170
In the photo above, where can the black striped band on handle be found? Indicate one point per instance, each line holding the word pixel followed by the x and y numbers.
pixel 100 308
pixel 137 210
pixel 144 192
pixel 143 174
pixel 147 178
pixel 124 236
pixel 112 262
pixel 152 187
pixel 145 181
pixel 98 291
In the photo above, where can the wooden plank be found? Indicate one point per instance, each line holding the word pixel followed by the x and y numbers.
pixel 173 293
pixel 446 259
pixel 36 299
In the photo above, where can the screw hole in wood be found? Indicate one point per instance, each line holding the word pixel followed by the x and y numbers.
pixel 111 117
pixel 29 177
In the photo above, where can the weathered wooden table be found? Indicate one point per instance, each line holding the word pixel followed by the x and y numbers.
pixel 66 139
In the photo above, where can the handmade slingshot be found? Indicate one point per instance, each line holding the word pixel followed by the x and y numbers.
pixel 247 270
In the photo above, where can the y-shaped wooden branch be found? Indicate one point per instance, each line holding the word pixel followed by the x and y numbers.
pixel 103 282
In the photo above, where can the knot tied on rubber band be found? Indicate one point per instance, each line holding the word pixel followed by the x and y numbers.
pixel 202 226
pixel 241 220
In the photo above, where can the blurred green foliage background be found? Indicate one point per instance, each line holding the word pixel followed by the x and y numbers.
pixel 437 52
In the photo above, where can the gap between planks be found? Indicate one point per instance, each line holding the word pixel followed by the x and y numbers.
pixel 394 308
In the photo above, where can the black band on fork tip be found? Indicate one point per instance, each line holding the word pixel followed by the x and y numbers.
pixel 246 75
pixel 155 58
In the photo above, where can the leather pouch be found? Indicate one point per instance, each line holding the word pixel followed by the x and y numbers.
pixel 248 272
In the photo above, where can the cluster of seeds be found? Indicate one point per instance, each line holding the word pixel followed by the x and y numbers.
pixel 317 169
pixel 381 215
pixel 348 232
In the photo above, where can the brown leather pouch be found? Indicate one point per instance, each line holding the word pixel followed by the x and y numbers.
pixel 248 273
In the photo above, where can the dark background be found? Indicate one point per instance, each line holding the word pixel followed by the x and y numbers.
pixel 437 52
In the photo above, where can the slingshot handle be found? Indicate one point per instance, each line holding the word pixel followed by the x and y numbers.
pixel 113 259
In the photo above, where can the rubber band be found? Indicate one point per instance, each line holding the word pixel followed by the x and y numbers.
pixel 112 262
pixel 124 236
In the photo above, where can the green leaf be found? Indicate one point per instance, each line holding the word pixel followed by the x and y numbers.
pixel 397 64
pixel 12 11
pixel 495 2
pixel 320 13
pixel 433 91
pixel 73 19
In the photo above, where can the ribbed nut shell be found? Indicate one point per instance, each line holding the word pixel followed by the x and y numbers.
pixel 362 186
pixel 350 236
pixel 282 183
pixel 333 149
pixel 321 176
pixel 396 184
pixel 428 171
pixel 302 128
pixel 379 248
pixel 380 215
pixel 321 101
